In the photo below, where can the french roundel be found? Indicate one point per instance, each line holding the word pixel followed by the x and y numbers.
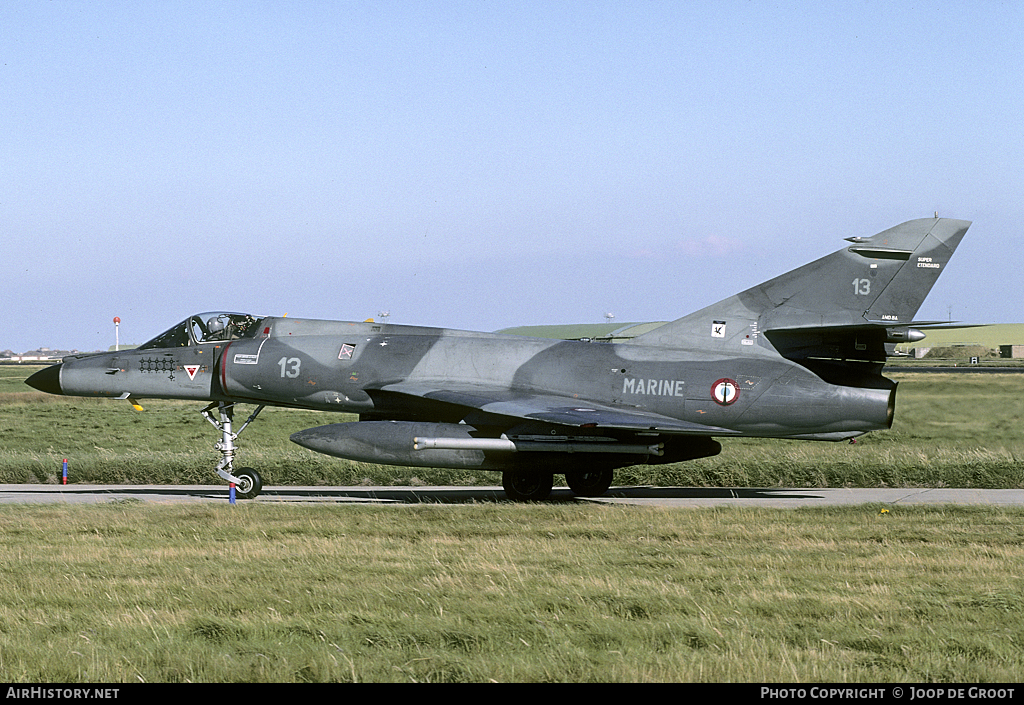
pixel 725 391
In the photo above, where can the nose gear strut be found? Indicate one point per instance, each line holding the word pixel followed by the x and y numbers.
pixel 247 481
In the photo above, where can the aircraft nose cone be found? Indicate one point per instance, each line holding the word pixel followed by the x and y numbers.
pixel 46 380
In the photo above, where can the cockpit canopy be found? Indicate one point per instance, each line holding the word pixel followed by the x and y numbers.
pixel 206 328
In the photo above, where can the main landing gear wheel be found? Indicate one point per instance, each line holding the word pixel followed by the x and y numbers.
pixel 526 485
pixel 250 483
pixel 589 483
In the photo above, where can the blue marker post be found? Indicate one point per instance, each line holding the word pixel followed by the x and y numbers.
pixel 231 493
pixel 65 471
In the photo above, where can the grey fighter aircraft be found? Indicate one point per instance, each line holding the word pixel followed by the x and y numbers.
pixel 799 356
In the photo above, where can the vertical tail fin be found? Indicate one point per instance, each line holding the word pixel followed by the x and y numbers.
pixel 878 280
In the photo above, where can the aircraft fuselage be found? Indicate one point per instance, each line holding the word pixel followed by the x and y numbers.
pixel 367 368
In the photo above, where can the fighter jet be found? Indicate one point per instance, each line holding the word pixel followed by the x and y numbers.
pixel 799 356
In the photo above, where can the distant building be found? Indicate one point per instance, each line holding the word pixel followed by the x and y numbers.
pixel 1011 351
pixel 39 355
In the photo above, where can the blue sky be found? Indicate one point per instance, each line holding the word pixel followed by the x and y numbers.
pixel 485 164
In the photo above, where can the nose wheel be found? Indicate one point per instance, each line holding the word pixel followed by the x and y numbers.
pixel 248 482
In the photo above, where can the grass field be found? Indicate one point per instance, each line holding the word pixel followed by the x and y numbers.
pixel 501 592
pixel 560 592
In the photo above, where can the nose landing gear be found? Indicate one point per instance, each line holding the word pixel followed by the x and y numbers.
pixel 248 483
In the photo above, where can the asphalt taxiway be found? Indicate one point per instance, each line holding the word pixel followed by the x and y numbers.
pixel 680 497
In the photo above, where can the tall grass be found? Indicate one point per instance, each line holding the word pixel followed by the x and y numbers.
pixel 138 592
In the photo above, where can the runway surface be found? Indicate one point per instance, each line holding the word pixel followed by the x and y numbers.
pixel 680 497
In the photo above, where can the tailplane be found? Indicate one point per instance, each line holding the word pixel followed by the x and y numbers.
pixel 875 286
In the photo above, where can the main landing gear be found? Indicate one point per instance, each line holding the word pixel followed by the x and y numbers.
pixel 247 481
pixel 535 485
pixel 526 485
pixel 590 483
